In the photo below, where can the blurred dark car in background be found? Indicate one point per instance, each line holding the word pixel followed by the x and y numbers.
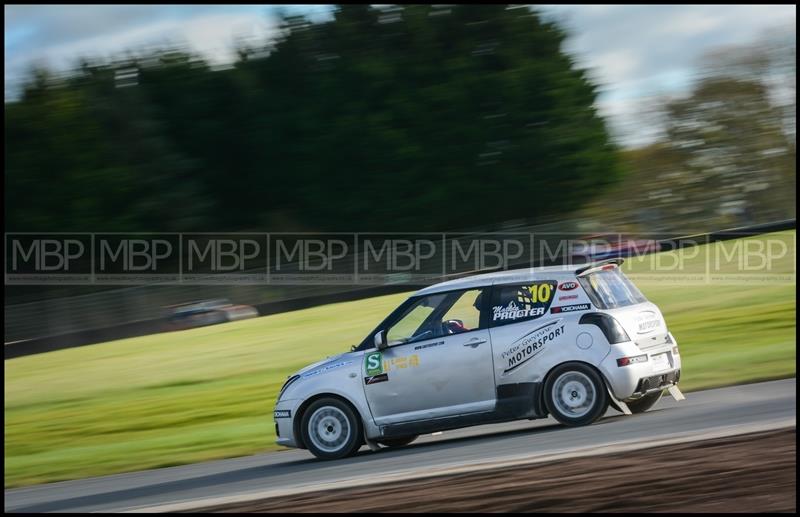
pixel 206 312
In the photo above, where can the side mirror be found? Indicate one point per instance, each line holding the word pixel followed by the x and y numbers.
pixel 380 340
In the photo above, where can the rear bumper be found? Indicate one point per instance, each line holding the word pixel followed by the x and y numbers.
pixel 655 383
pixel 636 380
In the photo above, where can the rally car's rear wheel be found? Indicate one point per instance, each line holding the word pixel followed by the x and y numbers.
pixel 331 429
pixel 575 394
pixel 643 404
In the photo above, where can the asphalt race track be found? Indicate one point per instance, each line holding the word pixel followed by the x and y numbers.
pixel 737 409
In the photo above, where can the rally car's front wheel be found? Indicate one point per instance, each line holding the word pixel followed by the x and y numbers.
pixel 575 394
pixel 331 429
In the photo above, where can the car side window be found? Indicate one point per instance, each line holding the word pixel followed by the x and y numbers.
pixel 521 302
pixel 437 315
pixel 415 323
pixel 465 313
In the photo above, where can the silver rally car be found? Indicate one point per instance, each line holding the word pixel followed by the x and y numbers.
pixel 565 341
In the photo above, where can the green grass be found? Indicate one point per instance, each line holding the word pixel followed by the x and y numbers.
pixel 208 393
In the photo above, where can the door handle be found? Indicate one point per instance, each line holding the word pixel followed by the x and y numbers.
pixel 474 342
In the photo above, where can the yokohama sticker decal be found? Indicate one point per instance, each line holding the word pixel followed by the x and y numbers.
pixel 531 344
pixel 570 308
pixel 282 413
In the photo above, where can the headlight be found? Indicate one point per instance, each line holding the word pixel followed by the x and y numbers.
pixel 286 384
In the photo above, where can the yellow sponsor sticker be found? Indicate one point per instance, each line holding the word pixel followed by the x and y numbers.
pixel 400 363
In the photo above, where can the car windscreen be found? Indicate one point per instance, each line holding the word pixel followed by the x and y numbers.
pixel 610 289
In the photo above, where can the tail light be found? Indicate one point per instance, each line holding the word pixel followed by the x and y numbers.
pixel 625 361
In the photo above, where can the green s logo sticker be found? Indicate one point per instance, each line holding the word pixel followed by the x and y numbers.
pixel 373 363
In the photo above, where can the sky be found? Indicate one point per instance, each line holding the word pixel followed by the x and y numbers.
pixel 636 53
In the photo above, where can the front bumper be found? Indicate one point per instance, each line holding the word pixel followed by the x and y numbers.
pixel 284 415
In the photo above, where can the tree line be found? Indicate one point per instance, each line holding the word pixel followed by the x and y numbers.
pixel 405 118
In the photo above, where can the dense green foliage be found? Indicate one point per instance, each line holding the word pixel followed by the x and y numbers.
pixel 405 118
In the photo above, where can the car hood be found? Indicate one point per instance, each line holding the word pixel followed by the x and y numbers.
pixel 329 361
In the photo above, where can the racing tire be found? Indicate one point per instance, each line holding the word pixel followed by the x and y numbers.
pixel 575 394
pixel 398 442
pixel 331 429
pixel 643 404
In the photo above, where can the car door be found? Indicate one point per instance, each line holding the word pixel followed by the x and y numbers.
pixel 439 361
pixel 523 329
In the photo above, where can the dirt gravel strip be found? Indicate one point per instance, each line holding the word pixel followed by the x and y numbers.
pixel 460 467
pixel 742 473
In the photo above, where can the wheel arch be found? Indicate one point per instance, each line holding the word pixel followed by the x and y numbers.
pixel 543 393
pixel 298 419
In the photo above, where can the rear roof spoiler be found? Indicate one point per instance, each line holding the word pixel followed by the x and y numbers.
pixel 585 269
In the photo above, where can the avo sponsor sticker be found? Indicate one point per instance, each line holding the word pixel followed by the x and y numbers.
pixel 568 286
